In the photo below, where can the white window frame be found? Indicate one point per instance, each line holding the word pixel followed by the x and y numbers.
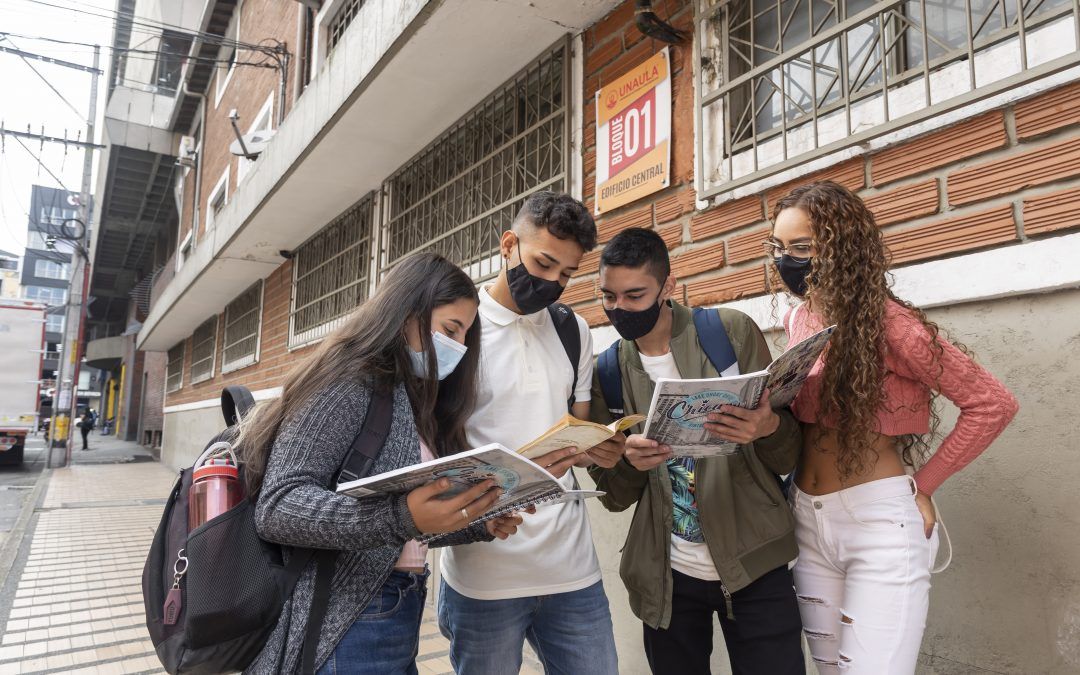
pixel 213 353
pixel 221 83
pixel 221 189
pixel 717 179
pixel 264 121
pixel 64 273
pixel 58 316
pixel 247 359
pixel 316 333
pixel 63 294
pixel 182 345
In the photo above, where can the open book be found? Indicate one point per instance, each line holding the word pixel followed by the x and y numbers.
pixel 524 483
pixel 570 431
pixel 680 408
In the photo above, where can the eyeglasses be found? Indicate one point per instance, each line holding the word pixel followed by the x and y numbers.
pixel 800 251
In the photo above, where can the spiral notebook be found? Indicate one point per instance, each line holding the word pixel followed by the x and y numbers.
pixel 524 483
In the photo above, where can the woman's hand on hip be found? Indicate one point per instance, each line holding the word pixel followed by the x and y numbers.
pixel 927 511
pixel 433 514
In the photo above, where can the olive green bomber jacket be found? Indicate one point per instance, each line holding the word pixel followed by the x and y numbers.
pixel 745 520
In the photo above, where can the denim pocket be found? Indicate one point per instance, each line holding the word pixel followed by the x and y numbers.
pixel 386 602
pixel 881 514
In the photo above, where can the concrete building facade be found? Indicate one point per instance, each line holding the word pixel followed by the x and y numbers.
pixel 400 126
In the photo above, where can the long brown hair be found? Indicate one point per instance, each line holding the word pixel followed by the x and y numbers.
pixel 370 347
pixel 848 285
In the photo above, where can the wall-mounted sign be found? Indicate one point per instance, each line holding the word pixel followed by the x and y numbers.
pixel 633 134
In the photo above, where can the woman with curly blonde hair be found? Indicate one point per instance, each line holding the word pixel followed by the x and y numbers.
pixel 866 529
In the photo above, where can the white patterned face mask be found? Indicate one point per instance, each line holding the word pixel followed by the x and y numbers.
pixel 448 354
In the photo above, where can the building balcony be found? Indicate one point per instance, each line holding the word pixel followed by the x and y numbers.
pixel 402 72
pixel 105 353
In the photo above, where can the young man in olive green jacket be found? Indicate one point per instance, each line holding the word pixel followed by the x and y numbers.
pixel 708 536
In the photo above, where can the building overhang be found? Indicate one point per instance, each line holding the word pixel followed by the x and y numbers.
pixel 105 353
pixel 408 71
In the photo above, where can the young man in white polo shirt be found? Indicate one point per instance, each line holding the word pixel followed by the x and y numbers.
pixel 544 584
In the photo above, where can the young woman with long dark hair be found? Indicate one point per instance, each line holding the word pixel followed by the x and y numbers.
pixel 418 338
pixel 866 529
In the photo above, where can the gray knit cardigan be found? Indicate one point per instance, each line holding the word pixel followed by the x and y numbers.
pixel 296 508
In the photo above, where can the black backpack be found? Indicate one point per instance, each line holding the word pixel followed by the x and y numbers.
pixel 567 329
pixel 712 337
pixel 232 584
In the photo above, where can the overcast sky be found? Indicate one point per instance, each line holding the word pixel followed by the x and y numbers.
pixel 26 99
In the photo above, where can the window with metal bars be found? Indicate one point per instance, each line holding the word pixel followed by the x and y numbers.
pixel 203 344
pixel 243 318
pixel 458 195
pixel 331 273
pixel 786 81
pixel 174 368
pixel 341 22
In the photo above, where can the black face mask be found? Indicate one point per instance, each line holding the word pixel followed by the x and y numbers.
pixel 531 293
pixel 794 272
pixel 634 325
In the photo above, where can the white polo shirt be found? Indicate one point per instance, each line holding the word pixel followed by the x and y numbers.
pixel 525 381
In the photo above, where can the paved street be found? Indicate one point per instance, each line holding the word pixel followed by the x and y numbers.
pixel 16 485
pixel 72 602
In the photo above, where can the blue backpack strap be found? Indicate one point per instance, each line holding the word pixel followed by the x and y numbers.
pixel 607 367
pixel 714 339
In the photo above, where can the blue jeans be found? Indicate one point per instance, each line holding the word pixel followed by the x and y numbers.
pixel 570 632
pixel 385 637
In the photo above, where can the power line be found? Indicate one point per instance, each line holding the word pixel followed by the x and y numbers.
pixel 116 17
pixel 56 91
pixel 127 50
pixel 41 164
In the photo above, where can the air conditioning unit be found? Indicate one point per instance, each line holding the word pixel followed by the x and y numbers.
pixel 185 155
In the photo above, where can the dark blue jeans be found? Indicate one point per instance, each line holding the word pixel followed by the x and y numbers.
pixel 385 637
pixel 570 632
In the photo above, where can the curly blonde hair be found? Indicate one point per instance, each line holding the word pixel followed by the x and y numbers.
pixel 848 285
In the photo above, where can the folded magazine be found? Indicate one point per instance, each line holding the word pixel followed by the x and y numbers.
pixel 680 408
pixel 524 483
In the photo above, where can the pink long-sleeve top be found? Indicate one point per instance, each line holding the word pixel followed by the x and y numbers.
pixel 913 370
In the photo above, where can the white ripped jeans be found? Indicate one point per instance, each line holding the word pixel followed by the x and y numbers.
pixel 863 576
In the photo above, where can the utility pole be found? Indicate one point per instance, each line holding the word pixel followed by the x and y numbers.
pixel 67 378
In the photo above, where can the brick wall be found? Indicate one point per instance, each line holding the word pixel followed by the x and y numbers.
pixel 1002 177
pixel 260 21
pixel 275 359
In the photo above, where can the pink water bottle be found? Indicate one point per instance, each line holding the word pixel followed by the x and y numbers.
pixel 215 485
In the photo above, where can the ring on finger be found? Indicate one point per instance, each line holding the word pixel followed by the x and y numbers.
pixel 465 514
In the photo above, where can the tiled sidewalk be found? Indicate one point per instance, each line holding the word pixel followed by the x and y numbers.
pixel 77 605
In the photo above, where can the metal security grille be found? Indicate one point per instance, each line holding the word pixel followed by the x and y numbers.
pixel 458 194
pixel 174 369
pixel 203 342
pixel 243 317
pixel 786 81
pixel 341 22
pixel 331 273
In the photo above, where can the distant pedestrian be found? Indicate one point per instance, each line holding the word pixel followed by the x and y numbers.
pixel 85 425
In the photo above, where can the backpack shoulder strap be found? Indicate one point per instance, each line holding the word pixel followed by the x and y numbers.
pixel 607 369
pixel 369 442
pixel 714 339
pixel 362 454
pixel 236 402
pixel 566 327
